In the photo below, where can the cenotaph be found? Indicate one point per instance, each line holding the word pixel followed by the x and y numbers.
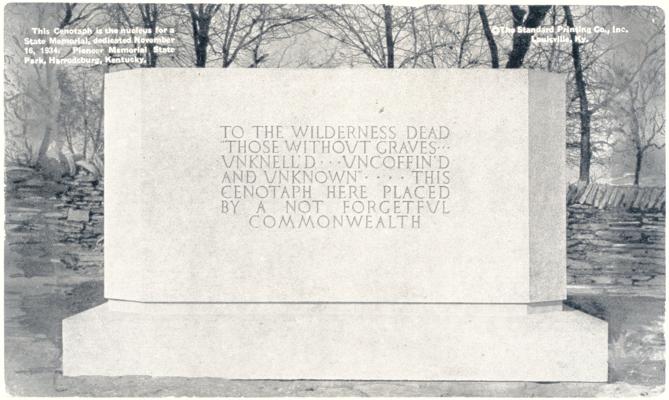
pixel 335 224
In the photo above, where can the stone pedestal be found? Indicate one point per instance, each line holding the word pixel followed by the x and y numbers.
pixel 473 292
pixel 336 341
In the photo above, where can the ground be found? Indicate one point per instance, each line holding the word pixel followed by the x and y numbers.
pixel 47 280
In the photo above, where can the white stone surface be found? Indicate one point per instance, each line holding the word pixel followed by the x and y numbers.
pixel 166 239
pixel 472 295
pixel 321 341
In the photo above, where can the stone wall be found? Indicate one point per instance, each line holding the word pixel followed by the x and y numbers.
pixel 82 210
pixel 615 247
pixel 606 248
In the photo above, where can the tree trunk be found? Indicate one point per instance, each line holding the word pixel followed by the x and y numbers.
pixel 97 142
pixel 84 105
pixel 522 41
pixel 201 44
pixel 465 37
pixel 549 66
pixel 584 113
pixel 44 146
pixel 149 14
pixel 200 24
pixel 637 169
pixel 390 43
pixel 494 57
pixel 51 124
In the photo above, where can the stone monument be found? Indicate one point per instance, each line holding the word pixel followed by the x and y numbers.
pixel 335 224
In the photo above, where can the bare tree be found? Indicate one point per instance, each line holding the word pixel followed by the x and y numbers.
pixel 228 31
pixel 150 15
pixel 464 31
pixel 390 39
pixel 444 36
pixel 610 69
pixel 19 148
pixel 492 45
pixel 70 14
pixel 51 116
pixel 242 28
pixel 584 113
pixel 371 31
pixel 201 16
pixel 399 37
pixel 522 41
pixel 145 15
pixel 641 111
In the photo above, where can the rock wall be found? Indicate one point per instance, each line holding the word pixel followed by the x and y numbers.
pixel 606 247
pixel 615 248
pixel 82 210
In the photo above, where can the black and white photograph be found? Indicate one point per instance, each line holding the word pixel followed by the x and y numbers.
pixel 427 199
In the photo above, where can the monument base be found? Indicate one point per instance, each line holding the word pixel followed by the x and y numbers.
pixel 506 342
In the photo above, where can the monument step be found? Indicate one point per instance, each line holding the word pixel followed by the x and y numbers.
pixel 413 309
pixel 333 341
